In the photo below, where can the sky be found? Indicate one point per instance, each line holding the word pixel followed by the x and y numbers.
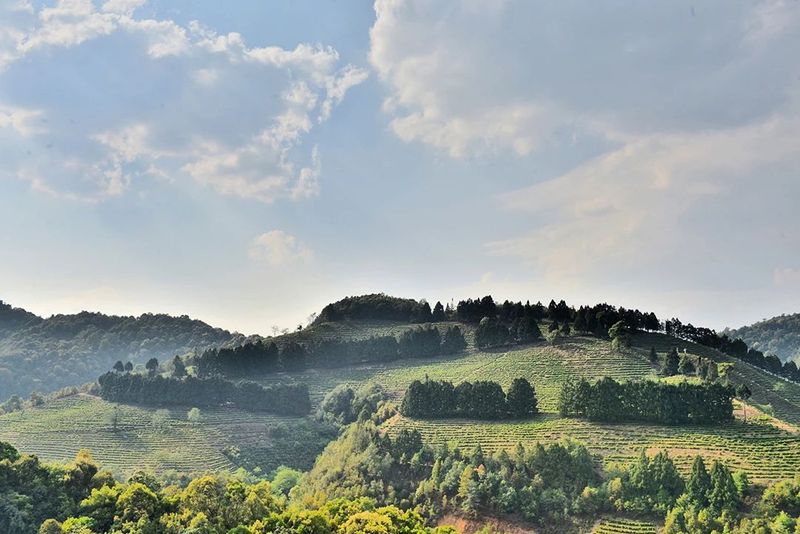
pixel 247 162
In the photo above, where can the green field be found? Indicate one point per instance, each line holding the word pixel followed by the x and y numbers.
pixel 222 440
pixel 624 526
pixel 227 438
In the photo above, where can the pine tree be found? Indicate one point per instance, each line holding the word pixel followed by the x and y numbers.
pixel 653 355
pixel 723 495
pixel 699 484
pixel 521 399
pixel 438 313
pixel 671 363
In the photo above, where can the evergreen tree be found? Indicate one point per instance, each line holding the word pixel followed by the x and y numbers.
pixel 653 355
pixel 179 369
pixel 723 495
pixel 699 484
pixel 521 399
pixel 671 363
pixel 128 367
pixel 438 313
pixel 119 367
pixel 743 393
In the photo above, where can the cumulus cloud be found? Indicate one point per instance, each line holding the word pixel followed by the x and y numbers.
pixel 279 249
pixel 485 77
pixel 125 97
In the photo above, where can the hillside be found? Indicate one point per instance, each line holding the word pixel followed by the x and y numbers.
pixel 225 438
pixel 779 336
pixel 68 350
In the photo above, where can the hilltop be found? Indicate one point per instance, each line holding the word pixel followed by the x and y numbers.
pixel 779 335
pixel 766 446
pixel 45 354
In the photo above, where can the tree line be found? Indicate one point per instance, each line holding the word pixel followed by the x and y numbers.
pixel 482 399
pixel 647 401
pixel 285 399
pixel 735 348
pixel 264 356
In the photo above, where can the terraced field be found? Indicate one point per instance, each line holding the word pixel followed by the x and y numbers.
pixel 163 441
pixel 624 526
pixel 227 438
pixel 760 449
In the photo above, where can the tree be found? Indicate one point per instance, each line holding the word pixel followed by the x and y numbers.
pixel 671 363
pixel 653 355
pixel 743 393
pixel 686 366
pixel 128 367
pixel 179 369
pixel 113 418
pixel 194 415
pixel 723 495
pixel 151 366
pixel 620 335
pixel 521 399
pixel 119 366
pixel 438 313
pixel 699 484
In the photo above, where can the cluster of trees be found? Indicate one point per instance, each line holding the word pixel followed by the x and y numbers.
pixel 379 306
pixel 38 354
pixel 647 401
pixel 79 499
pixel 264 356
pixel 546 484
pixel 492 332
pixel 735 348
pixel 482 399
pixel 287 399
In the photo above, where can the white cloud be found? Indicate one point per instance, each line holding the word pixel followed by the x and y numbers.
pixel 233 118
pixel 279 249
pixel 477 78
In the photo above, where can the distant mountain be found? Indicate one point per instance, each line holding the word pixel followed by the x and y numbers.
pixel 66 350
pixel 779 336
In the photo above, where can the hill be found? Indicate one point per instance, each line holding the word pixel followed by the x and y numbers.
pixel 766 447
pixel 779 335
pixel 46 354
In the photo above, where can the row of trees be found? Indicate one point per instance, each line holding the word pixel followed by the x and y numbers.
pixel 647 401
pixel 735 348
pixel 482 399
pixel 287 399
pixel 492 332
pixel 265 356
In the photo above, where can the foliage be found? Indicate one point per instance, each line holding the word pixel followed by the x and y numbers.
pixel 66 350
pixel 482 399
pixel 288 399
pixel 647 401
pixel 377 306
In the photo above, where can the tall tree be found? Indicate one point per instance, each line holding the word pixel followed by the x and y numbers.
pixel 671 363
pixel 521 399
pixel 151 366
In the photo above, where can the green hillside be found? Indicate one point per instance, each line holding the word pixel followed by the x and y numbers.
pixel 226 438
pixel 46 354
pixel 779 336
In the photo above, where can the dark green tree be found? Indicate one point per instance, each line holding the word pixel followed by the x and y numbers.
pixel 699 484
pixel 119 366
pixel 671 363
pixel 179 369
pixel 521 399
pixel 151 366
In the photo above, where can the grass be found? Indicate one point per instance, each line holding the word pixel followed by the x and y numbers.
pixel 624 526
pixel 222 440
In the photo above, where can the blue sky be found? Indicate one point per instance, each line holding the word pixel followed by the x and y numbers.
pixel 246 163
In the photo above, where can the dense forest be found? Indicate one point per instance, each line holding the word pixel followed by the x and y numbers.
pixel 484 399
pixel 264 355
pixel 779 336
pixel 38 354
pixel 286 399
pixel 647 401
